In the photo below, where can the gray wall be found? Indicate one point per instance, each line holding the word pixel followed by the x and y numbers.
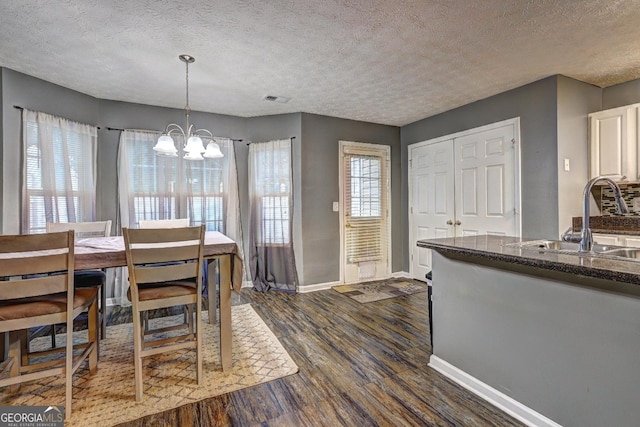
pixel 536 106
pixel 575 101
pixel 320 187
pixel 620 95
pixel 34 94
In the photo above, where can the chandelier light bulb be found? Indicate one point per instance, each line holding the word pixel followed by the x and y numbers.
pixel 165 146
pixel 194 145
pixel 213 151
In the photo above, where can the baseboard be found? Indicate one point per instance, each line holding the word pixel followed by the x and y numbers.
pixel 401 275
pixel 118 302
pixel 317 287
pixel 495 397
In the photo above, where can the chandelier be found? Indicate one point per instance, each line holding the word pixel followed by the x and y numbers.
pixel 193 146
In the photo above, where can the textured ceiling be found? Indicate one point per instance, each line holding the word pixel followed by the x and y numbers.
pixel 381 61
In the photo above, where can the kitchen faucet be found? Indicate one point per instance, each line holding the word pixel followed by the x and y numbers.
pixel 586 237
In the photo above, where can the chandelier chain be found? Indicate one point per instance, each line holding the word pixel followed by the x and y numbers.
pixel 187 108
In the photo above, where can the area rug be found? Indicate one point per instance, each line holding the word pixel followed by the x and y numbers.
pixel 376 291
pixel 108 396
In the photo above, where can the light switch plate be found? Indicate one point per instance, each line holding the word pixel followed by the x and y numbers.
pixel 336 207
pixel 567 165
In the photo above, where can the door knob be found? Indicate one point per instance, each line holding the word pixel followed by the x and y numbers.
pixel 449 222
pixel 458 223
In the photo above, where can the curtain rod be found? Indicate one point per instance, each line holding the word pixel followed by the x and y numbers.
pixel 249 143
pixel 17 107
pixel 157 131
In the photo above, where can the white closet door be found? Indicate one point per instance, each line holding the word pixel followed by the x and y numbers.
pixel 485 183
pixel 432 199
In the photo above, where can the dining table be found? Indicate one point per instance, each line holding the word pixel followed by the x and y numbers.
pixel 93 253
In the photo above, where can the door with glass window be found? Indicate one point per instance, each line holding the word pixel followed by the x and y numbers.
pixel 365 228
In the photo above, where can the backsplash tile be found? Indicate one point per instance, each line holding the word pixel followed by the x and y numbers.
pixel 629 193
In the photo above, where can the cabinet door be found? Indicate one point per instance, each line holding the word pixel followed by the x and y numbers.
pixel 633 242
pixel 612 143
pixel 607 239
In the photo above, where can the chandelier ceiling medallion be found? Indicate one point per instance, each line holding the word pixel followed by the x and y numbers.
pixel 193 145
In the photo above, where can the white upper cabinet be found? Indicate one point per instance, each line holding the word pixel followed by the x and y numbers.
pixel 613 143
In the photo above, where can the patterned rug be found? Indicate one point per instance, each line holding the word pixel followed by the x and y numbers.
pixel 376 291
pixel 108 397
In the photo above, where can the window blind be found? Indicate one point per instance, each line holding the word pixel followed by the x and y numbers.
pixel 365 205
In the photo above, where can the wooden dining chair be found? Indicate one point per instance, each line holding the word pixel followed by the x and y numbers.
pixel 37 289
pixel 166 223
pixel 165 270
pixel 87 278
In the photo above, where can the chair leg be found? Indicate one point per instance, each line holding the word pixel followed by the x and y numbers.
pixel 93 320
pixel 53 336
pixel 199 342
pixel 68 371
pixel 189 317
pixel 15 346
pixel 24 346
pixel 138 336
pixel 103 311
pixel 145 316
pixel 3 345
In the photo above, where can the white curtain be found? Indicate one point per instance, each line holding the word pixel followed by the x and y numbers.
pixel 160 187
pixel 271 256
pixel 59 182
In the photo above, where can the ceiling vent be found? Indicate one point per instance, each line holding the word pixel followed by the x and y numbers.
pixel 280 99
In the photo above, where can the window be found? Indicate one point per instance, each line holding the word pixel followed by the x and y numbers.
pixel 271 185
pixel 160 187
pixel 271 255
pixel 366 186
pixel 59 171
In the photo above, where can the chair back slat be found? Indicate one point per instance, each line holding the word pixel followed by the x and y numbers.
pixel 166 273
pixel 34 242
pixel 22 265
pixel 82 229
pixel 163 235
pixel 164 254
pixel 33 287
pixel 164 223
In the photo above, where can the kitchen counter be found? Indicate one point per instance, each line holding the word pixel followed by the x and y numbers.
pixel 497 248
pixel 552 338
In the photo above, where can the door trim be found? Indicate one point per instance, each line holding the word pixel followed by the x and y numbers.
pixel 387 153
pixel 515 122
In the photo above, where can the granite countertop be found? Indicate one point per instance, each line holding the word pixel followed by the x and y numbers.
pixel 497 248
pixel 616 224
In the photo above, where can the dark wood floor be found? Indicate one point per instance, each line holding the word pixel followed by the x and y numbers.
pixel 360 365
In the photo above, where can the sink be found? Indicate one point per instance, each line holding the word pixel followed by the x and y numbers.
pixel 559 246
pixel 562 246
pixel 626 253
